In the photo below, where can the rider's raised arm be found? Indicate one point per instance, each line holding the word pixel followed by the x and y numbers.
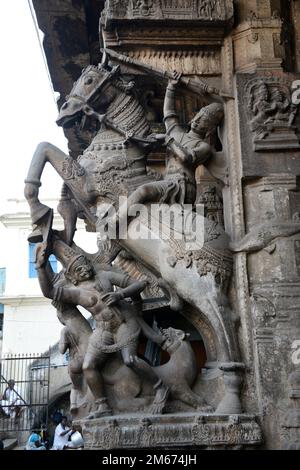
pixel 171 117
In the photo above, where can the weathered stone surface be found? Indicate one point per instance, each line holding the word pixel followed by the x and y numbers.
pixel 189 430
pixel 251 190
pixel 269 138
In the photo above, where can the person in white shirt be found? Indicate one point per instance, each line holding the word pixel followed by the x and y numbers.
pixel 76 439
pixel 61 435
pixel 11 401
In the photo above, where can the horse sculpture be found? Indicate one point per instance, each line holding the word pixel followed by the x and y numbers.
pixel 114 165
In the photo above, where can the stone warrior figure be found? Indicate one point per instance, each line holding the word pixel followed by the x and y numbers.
pixel 185 152
pixel 118 323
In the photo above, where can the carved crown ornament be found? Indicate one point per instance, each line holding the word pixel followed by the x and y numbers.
pixel 272 114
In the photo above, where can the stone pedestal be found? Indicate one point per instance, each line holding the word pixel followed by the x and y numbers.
pixel 171 431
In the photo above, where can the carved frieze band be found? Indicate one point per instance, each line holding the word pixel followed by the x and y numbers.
pixel 216 431
pixel 188 62
pixel 218 10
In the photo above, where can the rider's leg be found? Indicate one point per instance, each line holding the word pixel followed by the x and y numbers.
pixel 146 193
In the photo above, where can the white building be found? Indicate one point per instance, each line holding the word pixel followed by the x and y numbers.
pixel 29 320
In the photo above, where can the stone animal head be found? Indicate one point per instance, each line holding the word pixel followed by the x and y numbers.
pixel 173 339
pixel 96 88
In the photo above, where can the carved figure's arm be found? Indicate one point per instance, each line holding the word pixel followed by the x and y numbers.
pixel 129 288
pixel 202 153
pixel 134 288
pixel 63 344
pixel 182 153
pixel 70 295
pixel 157 338
pixel 171 117
pixel 45 277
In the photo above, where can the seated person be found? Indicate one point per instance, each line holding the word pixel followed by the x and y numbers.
pixel 76 439
pixel 34 441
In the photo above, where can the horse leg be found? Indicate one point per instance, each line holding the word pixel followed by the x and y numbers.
pixel 70 171
pixel 144 194
pixel 68 211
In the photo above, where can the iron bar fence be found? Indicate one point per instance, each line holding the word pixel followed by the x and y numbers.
pixel 24 403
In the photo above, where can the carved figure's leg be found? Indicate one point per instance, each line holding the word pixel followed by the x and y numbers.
pixel 142 368
pixel 67 209
pixel 150 192
pixel 92 364
pixel 76 390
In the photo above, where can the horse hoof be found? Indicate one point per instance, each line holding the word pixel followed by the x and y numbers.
pixel 35 236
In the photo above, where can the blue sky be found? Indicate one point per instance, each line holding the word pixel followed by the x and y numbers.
pixel 28 108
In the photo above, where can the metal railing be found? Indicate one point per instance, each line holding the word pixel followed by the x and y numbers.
pixel 24 403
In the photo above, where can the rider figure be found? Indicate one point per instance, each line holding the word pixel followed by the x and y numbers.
pixel 186 150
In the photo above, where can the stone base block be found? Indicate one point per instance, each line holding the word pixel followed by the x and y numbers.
pixel 136 431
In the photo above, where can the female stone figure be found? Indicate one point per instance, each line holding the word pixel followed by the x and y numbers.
pixel 118 323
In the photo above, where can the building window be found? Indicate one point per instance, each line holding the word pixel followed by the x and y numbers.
pixel 2 280
pixel 32 270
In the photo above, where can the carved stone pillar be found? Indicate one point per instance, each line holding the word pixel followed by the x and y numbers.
pixel 257 37
pixel 271 205
pixel 291 420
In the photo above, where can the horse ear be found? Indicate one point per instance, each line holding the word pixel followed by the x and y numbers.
pixel 181 335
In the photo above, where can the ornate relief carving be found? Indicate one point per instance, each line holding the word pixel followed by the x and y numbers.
pixel 232 434
pixel 213 204
pixel 272 114
pixel 203 431
pixel 218 10
pixel 290 426
pixel 188 62
pixel 263 310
